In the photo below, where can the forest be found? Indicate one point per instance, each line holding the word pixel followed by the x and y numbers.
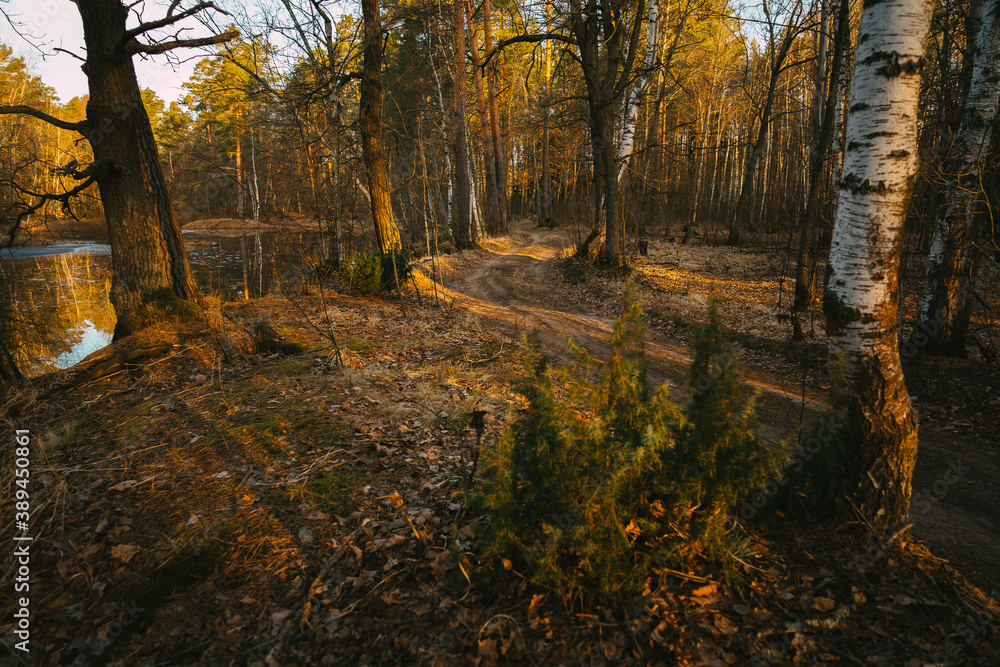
pixel 562 332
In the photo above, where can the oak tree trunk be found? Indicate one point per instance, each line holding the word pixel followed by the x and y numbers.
pixel 147 255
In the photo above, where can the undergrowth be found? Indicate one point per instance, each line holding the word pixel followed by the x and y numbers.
pixel 372 273
pixel 598 481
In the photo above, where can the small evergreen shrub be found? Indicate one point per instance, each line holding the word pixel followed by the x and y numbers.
pixel 372 273
pixel 363 272
pixel 403 260
pixel 594 483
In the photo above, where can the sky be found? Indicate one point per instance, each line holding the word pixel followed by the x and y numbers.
pixel 51 24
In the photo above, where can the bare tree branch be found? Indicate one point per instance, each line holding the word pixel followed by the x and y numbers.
pixel 70 53
pixel 135 46
pixel 8 236
pixel 25 110
pixel 169 19
pixel 554 36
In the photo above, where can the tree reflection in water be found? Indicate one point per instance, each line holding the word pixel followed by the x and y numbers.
pixel 54 307
pixel 54 310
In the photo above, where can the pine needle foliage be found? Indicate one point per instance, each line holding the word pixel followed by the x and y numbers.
pixel 599 480
pixel 397 266
pixel 721 454
pixel 363 272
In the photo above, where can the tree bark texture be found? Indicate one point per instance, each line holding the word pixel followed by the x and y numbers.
pixel 607 57
pixel 626 143
pixel 463 230
pixel 147 254
pixel 947 299
pixel 492 204
pixel 370 122
pixel 861 299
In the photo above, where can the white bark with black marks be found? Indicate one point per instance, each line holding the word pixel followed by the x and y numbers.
pixel 945 306
pixel 627 143
pixel 861 299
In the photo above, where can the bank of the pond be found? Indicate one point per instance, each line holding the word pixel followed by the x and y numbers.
pixel 54 297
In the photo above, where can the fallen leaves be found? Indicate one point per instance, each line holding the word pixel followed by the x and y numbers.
pixel 124 552
pixel 387 571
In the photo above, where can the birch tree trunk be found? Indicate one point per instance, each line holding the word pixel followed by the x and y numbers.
pixel 627 143
pixel 946 303
pixel 448 175
pixel 861 300
pixel 608 48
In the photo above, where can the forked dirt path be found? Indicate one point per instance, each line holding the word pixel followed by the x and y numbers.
pixel 956 506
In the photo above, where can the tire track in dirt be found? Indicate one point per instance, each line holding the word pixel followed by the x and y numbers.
pixel 512 285
pixel 960 517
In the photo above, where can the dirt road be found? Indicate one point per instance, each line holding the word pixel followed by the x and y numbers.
pixel 956 506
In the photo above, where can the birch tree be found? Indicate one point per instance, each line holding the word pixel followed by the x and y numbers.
pixel 861 300
pixel 946 303
pixel 825 116
pixel 626 144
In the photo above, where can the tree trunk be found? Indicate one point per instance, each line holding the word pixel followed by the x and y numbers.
pixel 861 302
pixel 607 72
pixel 492 207
pixel 627 143
pixel 741 216
pixel 614 240
pixel 545 180
pixel 499 148
pixel 805 265
pixel 239 180
pixel 370 121
pixel 463 192
pixel 946 304
pixel 149 265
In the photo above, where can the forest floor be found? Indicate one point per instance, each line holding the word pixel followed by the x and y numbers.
pixel 279 509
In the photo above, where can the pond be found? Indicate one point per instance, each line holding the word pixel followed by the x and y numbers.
pixel 54 308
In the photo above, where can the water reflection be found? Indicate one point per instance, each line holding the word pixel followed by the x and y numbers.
pixel 54 307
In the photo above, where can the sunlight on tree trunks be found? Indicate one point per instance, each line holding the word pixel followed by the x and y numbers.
pixel 150 267
pixel 463 228
pixel 825 117
pixel 371 130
